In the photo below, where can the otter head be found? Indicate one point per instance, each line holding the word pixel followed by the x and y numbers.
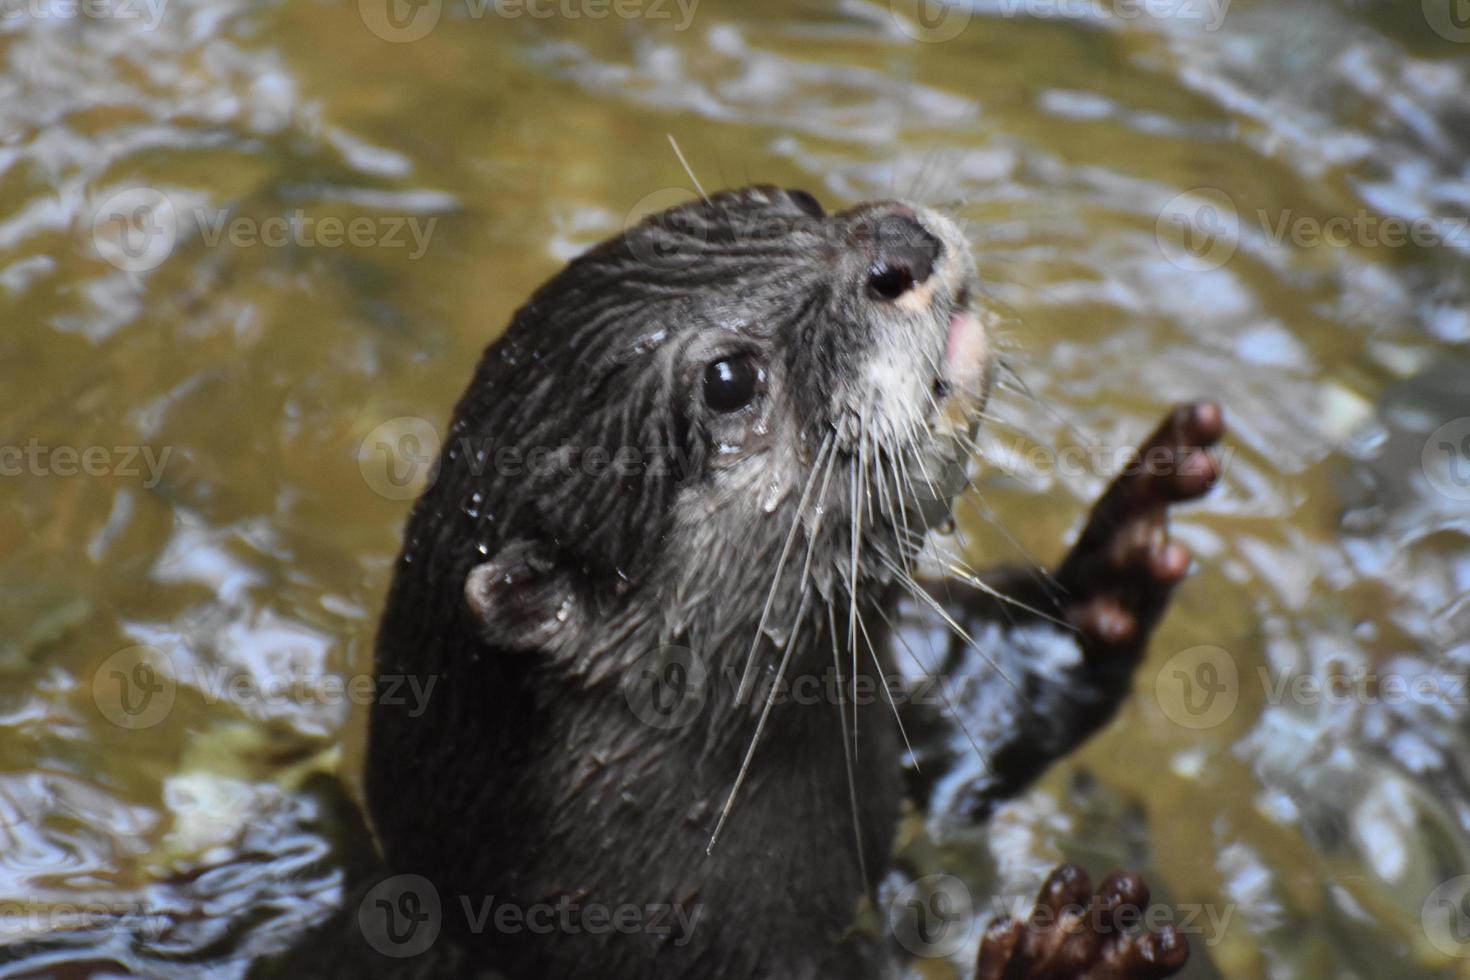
pixel 737 405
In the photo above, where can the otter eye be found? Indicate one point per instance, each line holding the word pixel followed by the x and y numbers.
pixel 730 385
pixel 890 280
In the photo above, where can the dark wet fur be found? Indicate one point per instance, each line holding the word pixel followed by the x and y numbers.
pixel 528 780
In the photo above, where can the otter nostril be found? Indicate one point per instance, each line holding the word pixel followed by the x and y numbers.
pixel 890 280
pixel 904 254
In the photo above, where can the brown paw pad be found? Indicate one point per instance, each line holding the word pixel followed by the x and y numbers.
pixel 1075 933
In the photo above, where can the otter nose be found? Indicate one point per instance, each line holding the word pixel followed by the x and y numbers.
pixel 904 253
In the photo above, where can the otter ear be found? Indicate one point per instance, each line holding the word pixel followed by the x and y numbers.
pixel 523 600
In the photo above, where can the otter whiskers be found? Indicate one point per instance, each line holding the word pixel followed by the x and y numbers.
pixel 791 636
pixel 745 678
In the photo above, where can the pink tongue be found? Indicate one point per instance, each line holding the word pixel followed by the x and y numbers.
pixel 964 351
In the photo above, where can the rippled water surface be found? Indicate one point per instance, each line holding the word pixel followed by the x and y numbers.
pixel 224 395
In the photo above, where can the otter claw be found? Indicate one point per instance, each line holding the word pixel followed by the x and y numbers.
pixel 1117 579
pixel 1075 934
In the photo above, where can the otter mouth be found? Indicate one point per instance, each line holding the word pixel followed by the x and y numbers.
pixel 966 349
pixel 960 391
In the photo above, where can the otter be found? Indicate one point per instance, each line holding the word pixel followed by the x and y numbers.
pixel 696 471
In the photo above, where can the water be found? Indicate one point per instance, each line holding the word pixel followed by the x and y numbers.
pixel 249 253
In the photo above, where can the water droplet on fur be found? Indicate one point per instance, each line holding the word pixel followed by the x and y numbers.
pixel 772 499
pixel 564 611
pixel 777 635
pixel 697 812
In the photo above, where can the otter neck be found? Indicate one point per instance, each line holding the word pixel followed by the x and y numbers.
pixel 529 784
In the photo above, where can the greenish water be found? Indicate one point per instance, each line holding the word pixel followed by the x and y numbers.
pixel 243 246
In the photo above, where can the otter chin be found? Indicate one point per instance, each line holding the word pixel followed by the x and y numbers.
pixel 695 470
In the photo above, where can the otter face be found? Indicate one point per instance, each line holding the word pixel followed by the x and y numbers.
pixel 732 401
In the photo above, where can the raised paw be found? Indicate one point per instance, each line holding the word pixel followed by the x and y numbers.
pixel 1117 579
pixel 1074 933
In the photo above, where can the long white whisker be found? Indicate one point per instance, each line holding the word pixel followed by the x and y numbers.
pixel 745 678
pixel 687 169
pixel 1039 571
pixel 883 682
pixel 852 578
pixel 791 636
pixel 922 594
pixel 847 751
pixel 954 710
